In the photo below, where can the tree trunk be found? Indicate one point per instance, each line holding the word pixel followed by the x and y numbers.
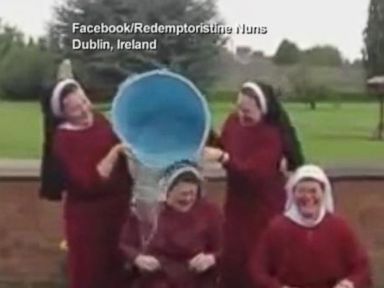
pixel 312 104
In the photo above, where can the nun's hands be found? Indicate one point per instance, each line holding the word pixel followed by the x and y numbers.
pixel 202 262
pixel 215 154
pixel 124 150
pixel 106 165
pixel 147 263
pixel 283 165
pixel 211 154
pixel 345 284
pixel 284 168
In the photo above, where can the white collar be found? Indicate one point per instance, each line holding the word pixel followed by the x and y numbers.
pixel 72 127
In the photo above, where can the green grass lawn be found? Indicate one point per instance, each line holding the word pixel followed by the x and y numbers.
pixel 329 135
pixel 20 130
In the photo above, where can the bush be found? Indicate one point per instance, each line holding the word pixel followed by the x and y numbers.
pixel 23 71
pixel 323 94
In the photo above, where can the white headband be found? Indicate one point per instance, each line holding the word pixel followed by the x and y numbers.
pixel 55 99
pixel 166 182
pixel 311 172
pixel 259 94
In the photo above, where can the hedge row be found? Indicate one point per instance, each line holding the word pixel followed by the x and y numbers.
pixel 327 96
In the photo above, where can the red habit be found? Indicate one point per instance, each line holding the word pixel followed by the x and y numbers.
pixel 255 193
pixel 94 208
pixel 179 237
pixel 301 257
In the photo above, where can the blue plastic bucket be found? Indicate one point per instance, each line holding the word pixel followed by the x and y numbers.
pixel 162 117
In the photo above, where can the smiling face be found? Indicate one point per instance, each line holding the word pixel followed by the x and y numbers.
pixel 308 196
pixel 183 196
pixel 76 107
pixel 248 110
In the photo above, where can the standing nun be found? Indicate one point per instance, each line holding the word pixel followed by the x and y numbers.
pixel 83 158
pixel 253 150
pixel 276 115
pixel 309 246
pixel 184 248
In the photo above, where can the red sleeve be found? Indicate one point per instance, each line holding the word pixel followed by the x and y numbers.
pixel 130 239
pixel 356 258
pixel 81 175
pixel 263 260
pixel 262 163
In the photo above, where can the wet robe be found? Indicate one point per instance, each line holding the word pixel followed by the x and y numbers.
pixel 318 257
pixel 179 237
pixel 94 208
pixel 255 193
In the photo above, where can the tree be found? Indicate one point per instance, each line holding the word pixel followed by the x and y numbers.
pixel 190 55
pixel 373 53
pixel 23 72
pixel 304 88
pixel 374 39
pixel 287 53
pixel 9 37
pixel 244 54
pixel 24 64
pixel 323 56
pixel 357 63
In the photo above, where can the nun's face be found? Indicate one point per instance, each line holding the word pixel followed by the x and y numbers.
pixel 183 196
pixel 76 107
pixel 248 110
pixel 308 197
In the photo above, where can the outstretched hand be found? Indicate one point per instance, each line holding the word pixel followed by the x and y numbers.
pixel 215 154
pixel 106 165
pixel 123 149
pixel 202 262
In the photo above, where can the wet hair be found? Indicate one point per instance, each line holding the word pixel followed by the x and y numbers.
pixel 186 177
pixel 251 94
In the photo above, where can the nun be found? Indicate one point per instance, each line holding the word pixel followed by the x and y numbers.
pixel 277 116
pixel 184 248
pixel 84 161
pixel 252 152
pixel 309 246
